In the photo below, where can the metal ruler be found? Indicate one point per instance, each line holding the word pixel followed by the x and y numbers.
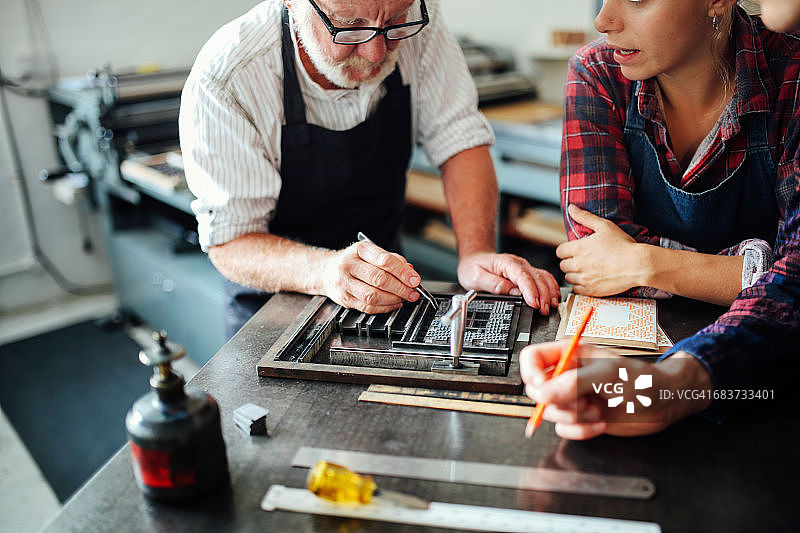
pixel 453 516
pixel 487 474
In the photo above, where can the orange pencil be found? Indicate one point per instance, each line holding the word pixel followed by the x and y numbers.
pixel 536 418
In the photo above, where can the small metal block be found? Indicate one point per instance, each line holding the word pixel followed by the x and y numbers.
pixel 251 418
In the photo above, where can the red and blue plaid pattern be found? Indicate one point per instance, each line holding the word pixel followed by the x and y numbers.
pixel 763 324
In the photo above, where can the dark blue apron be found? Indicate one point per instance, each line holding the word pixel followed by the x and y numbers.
pixel 335 183
pixel 743 206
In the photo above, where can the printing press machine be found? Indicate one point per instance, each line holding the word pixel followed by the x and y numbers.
pixel 159 273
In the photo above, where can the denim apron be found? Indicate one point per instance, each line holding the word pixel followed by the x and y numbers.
pixel 743 206
pixel 335 183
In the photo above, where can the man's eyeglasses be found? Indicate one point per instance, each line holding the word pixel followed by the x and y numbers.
pixel 362 34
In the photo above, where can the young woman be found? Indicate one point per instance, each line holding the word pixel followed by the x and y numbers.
pixel 754 344
pixel 678 133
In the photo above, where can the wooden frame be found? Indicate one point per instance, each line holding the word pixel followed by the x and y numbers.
pixel 318 369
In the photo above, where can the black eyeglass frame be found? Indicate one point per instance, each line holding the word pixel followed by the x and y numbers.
pixel 335 30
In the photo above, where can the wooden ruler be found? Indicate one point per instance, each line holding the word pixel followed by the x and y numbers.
pixel 472 402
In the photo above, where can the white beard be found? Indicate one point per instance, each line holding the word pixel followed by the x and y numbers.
pixel 337 72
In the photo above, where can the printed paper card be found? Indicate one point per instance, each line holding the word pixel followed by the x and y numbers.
pixel 630 322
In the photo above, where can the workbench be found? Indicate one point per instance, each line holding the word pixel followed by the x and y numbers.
pixel 735 476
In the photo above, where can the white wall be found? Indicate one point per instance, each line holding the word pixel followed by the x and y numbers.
pixel 84 34
pixel 91 33
pixel 523 26
pixel 124 33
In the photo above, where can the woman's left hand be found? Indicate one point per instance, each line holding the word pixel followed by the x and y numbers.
pixel 601 264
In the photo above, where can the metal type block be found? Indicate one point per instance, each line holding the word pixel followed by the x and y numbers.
pixel 316 331
pixel 352 354
pixel 376 325
pixel 361 322
pixel 487 325
pixel 279 350
pixel 347 320
pixel 413 320
pixel 422 315
pixel 402 319
pixel 379 360
pixel 390 323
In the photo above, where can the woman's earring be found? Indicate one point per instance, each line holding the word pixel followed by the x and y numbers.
pixel 715 22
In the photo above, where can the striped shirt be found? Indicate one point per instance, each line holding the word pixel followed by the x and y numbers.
pixel 232 113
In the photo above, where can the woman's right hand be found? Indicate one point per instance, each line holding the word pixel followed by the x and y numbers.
pixel 578 400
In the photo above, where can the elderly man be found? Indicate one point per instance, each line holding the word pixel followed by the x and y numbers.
pixel 297 124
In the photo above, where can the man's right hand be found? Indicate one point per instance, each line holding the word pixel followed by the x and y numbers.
pixel 366 277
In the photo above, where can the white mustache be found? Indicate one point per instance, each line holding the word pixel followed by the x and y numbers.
pixel 358 62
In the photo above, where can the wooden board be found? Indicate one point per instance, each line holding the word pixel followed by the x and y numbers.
pixel 150 171
pixel 513 399
pixel 510 384
pixel 515 409
pixel 526 112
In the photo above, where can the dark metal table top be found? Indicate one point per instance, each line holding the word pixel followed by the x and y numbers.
pixel 735 476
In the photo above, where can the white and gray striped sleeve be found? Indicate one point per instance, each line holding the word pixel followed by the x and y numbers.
pixel 231 167
pixel 448 119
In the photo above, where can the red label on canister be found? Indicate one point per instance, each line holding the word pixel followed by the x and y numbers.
pixel 160 469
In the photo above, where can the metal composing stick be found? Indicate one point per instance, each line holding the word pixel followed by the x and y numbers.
pixel 419 288
pixel 485 474
pixel 456 317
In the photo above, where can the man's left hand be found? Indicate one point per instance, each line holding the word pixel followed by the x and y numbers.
pixel 509 274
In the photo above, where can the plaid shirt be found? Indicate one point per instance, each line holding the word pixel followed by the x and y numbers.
pixel 595 175
pixel 755 344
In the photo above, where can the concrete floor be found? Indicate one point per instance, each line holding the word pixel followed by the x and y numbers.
pixel 27 503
